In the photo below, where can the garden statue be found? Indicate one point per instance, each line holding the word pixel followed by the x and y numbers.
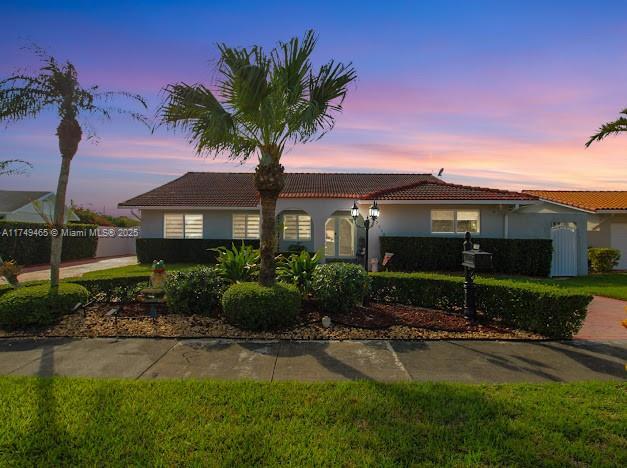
pixel 158 276
pixel 9 269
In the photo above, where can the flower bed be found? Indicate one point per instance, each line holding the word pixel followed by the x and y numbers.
pixel 376 321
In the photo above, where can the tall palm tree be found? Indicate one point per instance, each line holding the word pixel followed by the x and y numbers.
pixel 262 102
pixel 617 126
pixel 56 86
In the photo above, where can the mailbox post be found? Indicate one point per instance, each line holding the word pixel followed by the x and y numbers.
pixel 472 260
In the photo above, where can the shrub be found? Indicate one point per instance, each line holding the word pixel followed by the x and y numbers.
pixel 182 250
pixel 603 260
pixel 298 269
pixel 340 286
pixel 548 310
pixel 238 264
pixel 33 305
pixel 122 288
pixel 531 257
pixel 255 307
pixel 32 250
pixel 195 291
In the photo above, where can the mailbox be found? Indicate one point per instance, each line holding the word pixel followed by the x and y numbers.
pixel 477 260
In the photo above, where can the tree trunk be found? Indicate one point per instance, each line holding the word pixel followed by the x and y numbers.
pixel 269 181
pixel 69 134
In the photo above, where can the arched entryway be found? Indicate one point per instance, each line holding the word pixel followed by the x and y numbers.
pixel 340 236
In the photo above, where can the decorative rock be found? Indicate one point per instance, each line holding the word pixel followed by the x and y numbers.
pixel 326 321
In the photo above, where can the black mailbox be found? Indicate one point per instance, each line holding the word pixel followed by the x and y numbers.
pixel 477 260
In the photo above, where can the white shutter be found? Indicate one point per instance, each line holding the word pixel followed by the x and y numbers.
pixel 193 226
pixel 290 227
pixel 304 227
pixel 239 226
pixel 173 226
pixel 252 226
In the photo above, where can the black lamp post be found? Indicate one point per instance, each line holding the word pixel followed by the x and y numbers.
pixel 371 219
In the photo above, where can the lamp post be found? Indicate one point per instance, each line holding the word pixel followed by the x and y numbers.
pixel 371 219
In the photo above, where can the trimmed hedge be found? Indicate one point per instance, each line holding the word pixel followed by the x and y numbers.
pixel 196 291
pixel 255 307
pixel 33 250
pixel 33 305
pixel 603 259
pixel 339 287
pixel 530 257
pixel 183 250
pixel 548 310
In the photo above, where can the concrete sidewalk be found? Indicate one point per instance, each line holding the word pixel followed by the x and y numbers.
pixel 459 361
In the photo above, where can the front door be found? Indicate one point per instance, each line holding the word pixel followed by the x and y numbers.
pixel 339 237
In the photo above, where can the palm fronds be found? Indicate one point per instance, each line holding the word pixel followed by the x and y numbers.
pixel 611 128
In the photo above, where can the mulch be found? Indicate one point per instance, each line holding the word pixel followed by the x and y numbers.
pixel 374 321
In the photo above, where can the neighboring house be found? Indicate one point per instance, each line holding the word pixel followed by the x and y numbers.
pixel 607 215
pixel 17 205
pixel 314 211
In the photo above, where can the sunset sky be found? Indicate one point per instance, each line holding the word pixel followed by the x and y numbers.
pixel 499 94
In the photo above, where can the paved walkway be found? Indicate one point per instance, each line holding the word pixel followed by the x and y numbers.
pixel 77 268
pixel 459 361
pixel 603 321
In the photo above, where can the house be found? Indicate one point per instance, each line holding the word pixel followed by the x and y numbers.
pixel 607 215
pixel 29 206
pixel 314 211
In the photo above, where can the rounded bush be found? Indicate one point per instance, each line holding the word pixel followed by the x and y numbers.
pixel 195 291
pixel 255 307
pixel 33 305
pixel 340 286
pixel 602 259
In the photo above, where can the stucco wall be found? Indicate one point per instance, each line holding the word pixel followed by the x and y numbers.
pixel 600 227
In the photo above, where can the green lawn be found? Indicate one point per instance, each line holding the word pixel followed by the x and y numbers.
pixel 605 284
pixel 47 422
pixel 136 270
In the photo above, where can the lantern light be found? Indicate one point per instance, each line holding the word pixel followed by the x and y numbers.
pixel 355 211
pixel 373 212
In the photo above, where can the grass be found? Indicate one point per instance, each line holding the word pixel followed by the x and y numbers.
pixel 135 270
pixel 62 421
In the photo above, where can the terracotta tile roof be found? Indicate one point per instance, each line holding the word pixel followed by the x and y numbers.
pixel 236 189
pixel 590 200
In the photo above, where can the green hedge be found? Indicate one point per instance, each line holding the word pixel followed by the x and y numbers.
pixel 33 305
pixel 255 307
pixel 33 250
pixel 183 250
pixel 531 257
pixel 548 310
pixel 603 259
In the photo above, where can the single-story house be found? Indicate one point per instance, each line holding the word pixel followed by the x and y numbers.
pixel 28 206
pixel 607 215
pixel 314 211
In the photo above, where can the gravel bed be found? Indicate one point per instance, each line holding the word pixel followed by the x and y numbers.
pixel 376 321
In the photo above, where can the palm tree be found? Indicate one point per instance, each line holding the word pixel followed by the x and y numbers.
pixel 261 103
pixel 617 126
pixel 56 86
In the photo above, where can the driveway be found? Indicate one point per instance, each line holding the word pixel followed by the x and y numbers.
pixel 603 321
pixel 384 361
pixel 75 268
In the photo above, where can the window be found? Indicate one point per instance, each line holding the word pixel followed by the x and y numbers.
pixel 182 226
pixel 245 226
pixel 297 227
pixel 455 221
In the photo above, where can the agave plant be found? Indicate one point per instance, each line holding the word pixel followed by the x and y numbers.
pixel 238 265
pixel 298 269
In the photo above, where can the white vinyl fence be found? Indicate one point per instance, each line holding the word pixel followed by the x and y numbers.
pixel 118 245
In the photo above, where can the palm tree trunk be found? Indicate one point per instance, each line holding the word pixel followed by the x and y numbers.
pixel 69 133
pixel 267 273
pixel 269 181
pixel 56 245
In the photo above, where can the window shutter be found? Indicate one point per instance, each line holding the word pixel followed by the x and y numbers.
pixel 173 226
pixel 193 226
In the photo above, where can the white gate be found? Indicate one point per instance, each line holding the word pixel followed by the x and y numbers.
pixel 564 237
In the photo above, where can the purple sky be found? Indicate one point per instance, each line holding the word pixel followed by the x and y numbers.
pixel 500 94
